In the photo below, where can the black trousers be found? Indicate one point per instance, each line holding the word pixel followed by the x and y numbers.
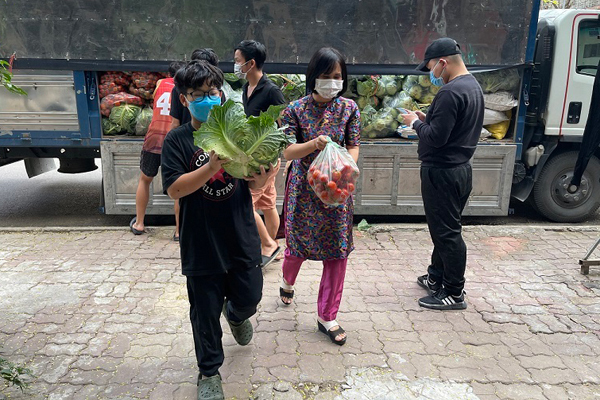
pixel 243 289
pixel 445 193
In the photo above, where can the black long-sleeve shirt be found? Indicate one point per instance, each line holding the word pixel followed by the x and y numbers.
pixel 452 127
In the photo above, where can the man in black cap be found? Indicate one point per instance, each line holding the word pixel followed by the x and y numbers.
pixel 448 136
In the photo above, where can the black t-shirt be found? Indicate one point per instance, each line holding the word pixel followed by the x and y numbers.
pixel 265 94
pixel 451 130
pixel 217 227
pixel 178 110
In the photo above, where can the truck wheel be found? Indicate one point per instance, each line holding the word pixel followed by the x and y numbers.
pixel 550 193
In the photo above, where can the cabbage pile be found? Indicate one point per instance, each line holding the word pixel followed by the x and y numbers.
pixel 248 142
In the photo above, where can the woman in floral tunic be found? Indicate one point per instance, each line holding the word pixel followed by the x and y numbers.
pixel 314 230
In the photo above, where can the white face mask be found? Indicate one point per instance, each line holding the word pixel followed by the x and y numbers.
pixel 237 70
pixel 328 88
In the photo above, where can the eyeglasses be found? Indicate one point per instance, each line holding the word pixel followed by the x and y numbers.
pixel 199 95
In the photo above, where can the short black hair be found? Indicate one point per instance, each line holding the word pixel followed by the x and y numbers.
pixel 175 66
pixel 195 74
pixel 253 50
pixel 206 54
pixel 323 62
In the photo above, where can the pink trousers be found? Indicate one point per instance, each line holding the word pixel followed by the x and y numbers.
pixel 332 283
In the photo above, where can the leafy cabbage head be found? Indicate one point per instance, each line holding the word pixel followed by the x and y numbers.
pixel 248 142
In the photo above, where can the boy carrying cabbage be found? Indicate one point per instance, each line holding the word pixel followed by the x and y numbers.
pixel 220 246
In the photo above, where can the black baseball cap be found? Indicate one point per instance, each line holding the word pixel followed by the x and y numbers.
pixel 439 48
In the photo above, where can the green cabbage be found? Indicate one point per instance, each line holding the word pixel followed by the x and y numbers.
pixel 110 128
pixel 143 121
pixel 248 142
pixel 125 117
pixel 504 79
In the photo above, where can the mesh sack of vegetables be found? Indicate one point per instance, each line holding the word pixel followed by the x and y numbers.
pixel 400 100
pixel 495 81
pixel 366 116
pixel 248 142
pixel 333 175
pixel 146 94
pixel 145 80
pixel 383 124
pixel 109 88
pixel 363 102
pixel 125 117
pixel 142 121
pixel 116 77
pixel 419 87
pixel 388 86
pixel 109 127
pixel 115 100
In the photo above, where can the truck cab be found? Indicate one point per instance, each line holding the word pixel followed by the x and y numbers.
pixel 566 59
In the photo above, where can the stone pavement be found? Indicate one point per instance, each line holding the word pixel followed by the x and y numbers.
pixel 101 314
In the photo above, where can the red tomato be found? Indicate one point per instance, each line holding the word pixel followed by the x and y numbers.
pixel 324 178
pixel 351 187
pixel 347 169
pixel 319 188
pixel 332 186
pixel 336 175
pixel 338 192
pixel 324 196
pixel 311 169
pixel 345 193
pixel 316 174
pixel 311 181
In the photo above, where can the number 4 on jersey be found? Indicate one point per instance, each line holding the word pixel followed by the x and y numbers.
pixel 164 103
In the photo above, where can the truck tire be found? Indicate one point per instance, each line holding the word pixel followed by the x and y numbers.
pixel 550 193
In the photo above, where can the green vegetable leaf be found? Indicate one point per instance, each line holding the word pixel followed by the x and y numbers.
pixel 363 225
pixel 247 142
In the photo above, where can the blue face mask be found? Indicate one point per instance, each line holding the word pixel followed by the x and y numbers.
pixel 200 108
pixel 436 81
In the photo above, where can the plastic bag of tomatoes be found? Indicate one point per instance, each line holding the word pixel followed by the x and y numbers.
pixel 333 175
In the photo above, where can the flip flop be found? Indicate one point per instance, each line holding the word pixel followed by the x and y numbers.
pixel 175 238
pixel 266 260
pixel 133 230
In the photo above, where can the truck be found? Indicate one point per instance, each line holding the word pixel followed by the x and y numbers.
pixel 59 51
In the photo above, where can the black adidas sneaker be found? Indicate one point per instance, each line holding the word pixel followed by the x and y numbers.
pixel 428 284
pixel 442 300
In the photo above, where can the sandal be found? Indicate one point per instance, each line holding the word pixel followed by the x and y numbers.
pixel 133 230
pixel 325 327
pixel 242 331
pixel 210 388
pixel 286 295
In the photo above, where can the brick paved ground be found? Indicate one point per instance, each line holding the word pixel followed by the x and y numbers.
pixel 103 314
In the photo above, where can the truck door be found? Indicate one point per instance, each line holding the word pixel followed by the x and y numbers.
pixel 583 62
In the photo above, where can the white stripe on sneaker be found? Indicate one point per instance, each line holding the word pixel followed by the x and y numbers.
pixel 448 301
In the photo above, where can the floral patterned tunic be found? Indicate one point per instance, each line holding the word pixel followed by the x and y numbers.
pixel 314 230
